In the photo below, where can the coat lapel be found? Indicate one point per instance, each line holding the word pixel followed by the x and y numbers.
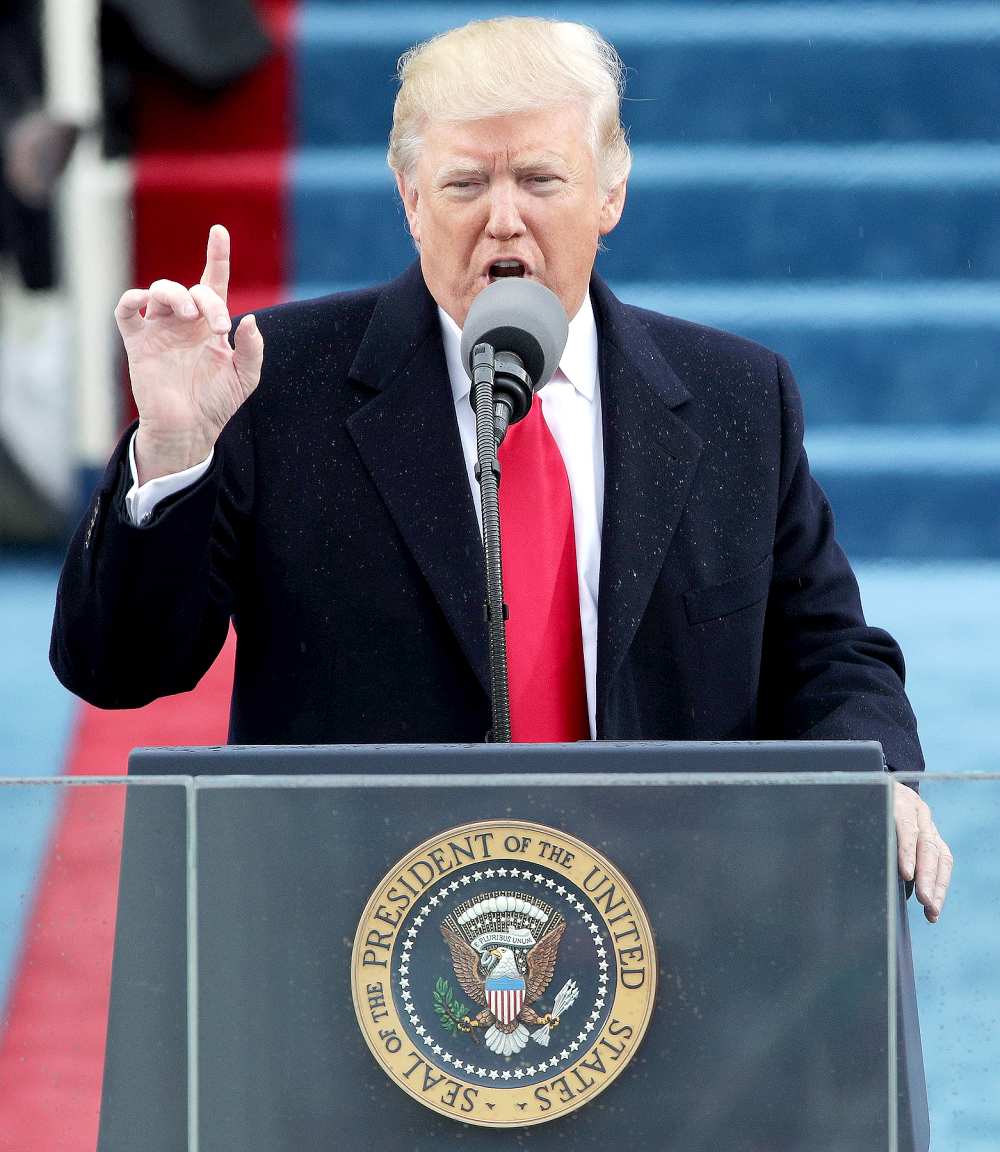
pixel 650 457
pixel 408 440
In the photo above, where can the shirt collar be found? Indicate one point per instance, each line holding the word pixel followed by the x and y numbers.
pixel 578 363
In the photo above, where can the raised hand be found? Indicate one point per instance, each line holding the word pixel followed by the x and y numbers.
pixel 186 378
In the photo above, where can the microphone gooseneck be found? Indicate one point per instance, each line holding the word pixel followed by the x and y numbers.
pixel 512 342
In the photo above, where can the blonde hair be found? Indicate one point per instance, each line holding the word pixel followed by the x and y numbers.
pixel 509 65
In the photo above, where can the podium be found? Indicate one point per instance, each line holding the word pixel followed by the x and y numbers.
pixel 784 1015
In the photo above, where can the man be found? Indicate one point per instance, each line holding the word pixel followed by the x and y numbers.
pixel 330 511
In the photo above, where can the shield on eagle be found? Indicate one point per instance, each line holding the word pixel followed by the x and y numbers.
pixel 505 997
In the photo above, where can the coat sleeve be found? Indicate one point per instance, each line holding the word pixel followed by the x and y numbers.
pixel 828 675
pixel 142 612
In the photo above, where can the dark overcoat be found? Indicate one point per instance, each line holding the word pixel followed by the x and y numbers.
pixel 337 530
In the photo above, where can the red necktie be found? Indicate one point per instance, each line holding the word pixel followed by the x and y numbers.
pixel 548 694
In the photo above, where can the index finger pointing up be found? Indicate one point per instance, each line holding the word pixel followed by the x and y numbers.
pixel 216 274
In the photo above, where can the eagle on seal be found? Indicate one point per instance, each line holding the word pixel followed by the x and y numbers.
pixel 505 983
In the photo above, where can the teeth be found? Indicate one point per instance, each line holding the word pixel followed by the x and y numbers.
pixel 507 268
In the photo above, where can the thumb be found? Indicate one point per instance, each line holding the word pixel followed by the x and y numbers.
pixel 248 355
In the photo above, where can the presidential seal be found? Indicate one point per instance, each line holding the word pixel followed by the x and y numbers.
pixel 503 973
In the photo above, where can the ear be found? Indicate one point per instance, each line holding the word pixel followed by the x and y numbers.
pixel 408 194
pixel 612 207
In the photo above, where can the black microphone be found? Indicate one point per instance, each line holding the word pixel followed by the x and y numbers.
pixel 513 339
pixel 525 327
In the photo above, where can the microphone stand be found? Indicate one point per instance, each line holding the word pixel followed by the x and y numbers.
pixel 488 437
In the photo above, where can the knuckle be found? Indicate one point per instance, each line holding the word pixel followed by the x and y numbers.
pixel 169 290
pixel 130 302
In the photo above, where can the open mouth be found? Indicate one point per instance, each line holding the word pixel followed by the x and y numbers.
pixel 500 269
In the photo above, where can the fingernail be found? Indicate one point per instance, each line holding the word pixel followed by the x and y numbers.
pixel 190 310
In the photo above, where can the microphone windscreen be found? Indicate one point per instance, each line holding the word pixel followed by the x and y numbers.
pixel 519 316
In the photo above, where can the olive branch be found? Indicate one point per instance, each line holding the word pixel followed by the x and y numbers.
pixel 449 1010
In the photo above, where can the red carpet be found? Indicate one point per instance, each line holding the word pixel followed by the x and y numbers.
pixel 52 1050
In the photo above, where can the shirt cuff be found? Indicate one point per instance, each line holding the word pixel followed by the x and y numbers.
pixel 141 500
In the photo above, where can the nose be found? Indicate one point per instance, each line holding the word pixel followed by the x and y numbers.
pixel 504 221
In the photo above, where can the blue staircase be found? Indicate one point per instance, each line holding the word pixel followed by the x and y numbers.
pixel 822 177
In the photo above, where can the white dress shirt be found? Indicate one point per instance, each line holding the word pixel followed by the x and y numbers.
pixel 141 499
pixel 571 404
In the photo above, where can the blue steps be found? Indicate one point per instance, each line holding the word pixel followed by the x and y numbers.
pixel 911 495
pixel 900 353
pixel 821 177
pixel 740 73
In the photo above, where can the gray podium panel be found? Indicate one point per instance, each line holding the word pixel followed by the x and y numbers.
pixel 145 1069
pixel 771 906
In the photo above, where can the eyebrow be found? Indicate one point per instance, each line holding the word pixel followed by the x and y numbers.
pixel 458 169
pixel 539 160
pixel 465 167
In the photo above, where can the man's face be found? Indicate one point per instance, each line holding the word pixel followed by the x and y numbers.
pixel 508 195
